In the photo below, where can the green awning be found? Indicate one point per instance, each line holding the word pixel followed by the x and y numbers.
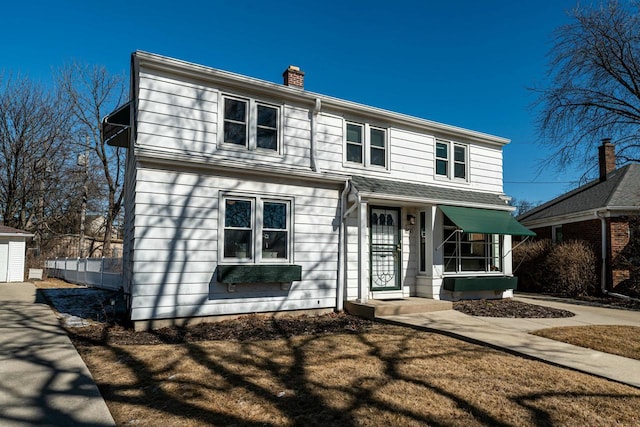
pixel 486 221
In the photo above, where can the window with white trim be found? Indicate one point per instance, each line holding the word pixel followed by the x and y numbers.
pixel 366 145
pixel 451 167
pixel 470 252
pixel 250 123
pixel 256 229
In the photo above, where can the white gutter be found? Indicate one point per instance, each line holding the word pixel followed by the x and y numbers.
pixel 603 255
pixel 314 120
pixel 342 253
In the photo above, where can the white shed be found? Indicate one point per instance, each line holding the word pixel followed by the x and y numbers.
pixel 13 244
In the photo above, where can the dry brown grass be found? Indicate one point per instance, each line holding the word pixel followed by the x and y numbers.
pixel 51 283
pixel 621 340
pixel 386 375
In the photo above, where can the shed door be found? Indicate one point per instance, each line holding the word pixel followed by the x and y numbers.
pixel 385 249
pixel 4 261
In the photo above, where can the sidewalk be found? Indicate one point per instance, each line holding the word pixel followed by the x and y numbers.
pixel 43 380
pixel 513 335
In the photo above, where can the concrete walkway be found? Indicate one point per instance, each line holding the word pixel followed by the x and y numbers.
pixel 43 380
pixel 513 335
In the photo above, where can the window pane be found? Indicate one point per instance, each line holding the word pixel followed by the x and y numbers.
pixel 275 216
pixel 267 116
pixel 354 133
pixel 274 244
pixel 235 133
pixel 237 214
pixel 459 153
pixel 442 150
pixel 459 170
pixel 235 110
pixel 377 157
pixel 267 138
pixel 377 138
pixel 354 153
pixel 237 243
pixel 441 167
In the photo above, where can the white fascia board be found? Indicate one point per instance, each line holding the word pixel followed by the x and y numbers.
pixel 373 198
pixel 16 235
pixel 609 211
pixel 173 160
pixel 250 84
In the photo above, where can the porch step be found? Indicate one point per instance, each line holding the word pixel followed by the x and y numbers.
pixel 379 308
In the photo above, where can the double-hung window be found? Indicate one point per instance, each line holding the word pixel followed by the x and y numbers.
pixel 251 124
pixel 366 145
pixel 256 229
pixel 448 166
pixel 471 252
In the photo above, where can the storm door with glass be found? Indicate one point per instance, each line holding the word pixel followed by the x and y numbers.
pixel 385 248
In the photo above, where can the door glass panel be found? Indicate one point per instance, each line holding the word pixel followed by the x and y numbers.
pixel 385 249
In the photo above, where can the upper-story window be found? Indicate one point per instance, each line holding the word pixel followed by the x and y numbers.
pixel 366 145
pixel 250 124
pixel 448 166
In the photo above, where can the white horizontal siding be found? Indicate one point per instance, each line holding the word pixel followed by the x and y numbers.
pixel 176 246
pixel 16 260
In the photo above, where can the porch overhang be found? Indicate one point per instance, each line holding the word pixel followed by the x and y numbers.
pixel 485 221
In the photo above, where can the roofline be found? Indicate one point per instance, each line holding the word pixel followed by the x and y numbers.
pixel 16 235
pixel 188 69
pixel 580 216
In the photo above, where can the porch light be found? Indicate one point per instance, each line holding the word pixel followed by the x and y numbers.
pixel 411 219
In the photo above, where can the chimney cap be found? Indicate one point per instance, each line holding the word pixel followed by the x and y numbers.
pixel 606 140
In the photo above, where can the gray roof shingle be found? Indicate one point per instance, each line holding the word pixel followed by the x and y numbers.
pixel 621 188
pixel 440 195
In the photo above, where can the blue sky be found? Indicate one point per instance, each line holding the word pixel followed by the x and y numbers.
pixel 466 63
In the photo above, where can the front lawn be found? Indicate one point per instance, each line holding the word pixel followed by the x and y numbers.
pixel 365 374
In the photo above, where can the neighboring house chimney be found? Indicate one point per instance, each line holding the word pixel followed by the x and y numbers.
pixel 607 158
pixel 293 77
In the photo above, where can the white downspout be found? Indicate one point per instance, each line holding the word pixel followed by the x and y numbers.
pixel 313 155
pixel 603 273
pixel 342 252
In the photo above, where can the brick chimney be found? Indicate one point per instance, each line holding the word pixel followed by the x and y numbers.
pixel 293 77
pixel 606 158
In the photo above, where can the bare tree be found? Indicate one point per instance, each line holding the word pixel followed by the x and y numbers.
pixel 34 155
pixel 594 89
pixel 91 93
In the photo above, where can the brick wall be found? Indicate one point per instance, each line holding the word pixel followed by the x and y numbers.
pixel 618 241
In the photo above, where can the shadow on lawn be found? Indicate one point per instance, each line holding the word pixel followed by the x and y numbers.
pixel 313 380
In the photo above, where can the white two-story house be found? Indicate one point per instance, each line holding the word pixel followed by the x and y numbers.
pixel 248 196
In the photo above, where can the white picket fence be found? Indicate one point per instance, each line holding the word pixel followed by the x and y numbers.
pixel 105 273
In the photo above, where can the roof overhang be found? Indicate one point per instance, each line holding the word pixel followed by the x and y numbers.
pixel 116 126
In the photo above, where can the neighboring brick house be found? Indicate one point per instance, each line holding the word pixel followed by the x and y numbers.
pixel 604 212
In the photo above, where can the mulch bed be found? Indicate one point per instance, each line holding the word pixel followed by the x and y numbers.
pixel 245 328
pixel 257 327
pixel 508 308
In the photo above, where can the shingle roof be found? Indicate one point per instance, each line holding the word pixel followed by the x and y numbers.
pixel 9 230
pixel 428 192
pixel 621 188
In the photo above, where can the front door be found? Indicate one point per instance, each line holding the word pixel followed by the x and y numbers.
pixel 385 248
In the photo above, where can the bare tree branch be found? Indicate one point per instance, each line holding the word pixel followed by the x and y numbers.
pixel 594 89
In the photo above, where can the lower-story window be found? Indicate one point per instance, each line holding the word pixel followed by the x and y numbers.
pixel 471 252
pixel 256 229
